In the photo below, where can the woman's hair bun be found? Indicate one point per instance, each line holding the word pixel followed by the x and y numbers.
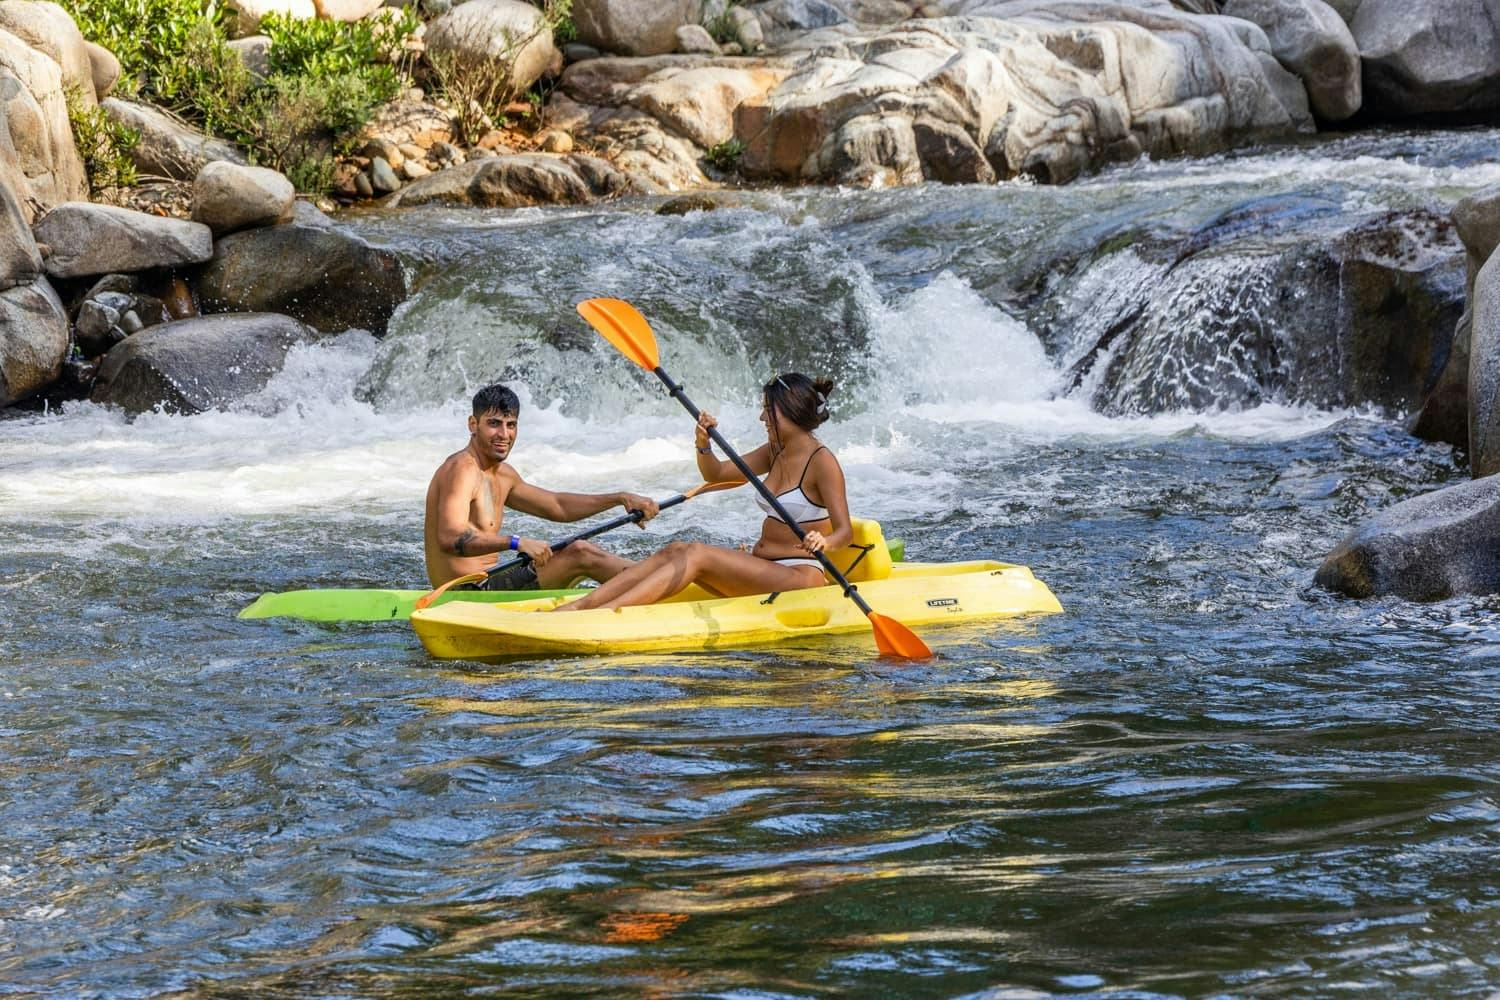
pixel 824 386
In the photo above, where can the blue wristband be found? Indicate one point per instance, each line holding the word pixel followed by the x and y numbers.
pixel 515 542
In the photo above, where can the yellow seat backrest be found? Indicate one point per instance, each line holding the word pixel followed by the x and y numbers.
pixel 866 556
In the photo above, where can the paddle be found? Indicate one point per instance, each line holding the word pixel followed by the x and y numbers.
pixel 622 325
pixel 632 517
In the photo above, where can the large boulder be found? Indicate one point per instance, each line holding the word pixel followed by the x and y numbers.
pixel 1428 548
pixel 1426 56
pixel 324 277
pixel 519 180
pixel 227 197
pixel 34 110
pixel 86 239
pixel 168 148
pixel 198 364
pixel 504 32
pixel 700 103
pixel 1278 300
pixel 105 69
pixel 633 27
pixel 20 260
pixel 991 88
pixel 1484 371
pixel 1309 38
pixel 33 339
pixel 50 29
pixel 1444 414
pixel 346 10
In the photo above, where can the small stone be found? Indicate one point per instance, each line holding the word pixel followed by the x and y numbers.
pixel 695 38
pixel 578 52
pixel 732 49
pixel 411 151
pixel 415 94
pixel 747 29
pixel 493 139
pixel 382 177
pixel 414 169
pixel 131 323
pixel 480 153
pixel 555 141
pixel 446 151
pixel 362 185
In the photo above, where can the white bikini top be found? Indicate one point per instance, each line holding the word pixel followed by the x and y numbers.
pixel 796 502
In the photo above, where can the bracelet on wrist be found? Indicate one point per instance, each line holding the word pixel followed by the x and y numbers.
pixel 515 542
pixel 706 450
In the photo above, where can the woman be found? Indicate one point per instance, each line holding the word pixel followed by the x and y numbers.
pixel 802 473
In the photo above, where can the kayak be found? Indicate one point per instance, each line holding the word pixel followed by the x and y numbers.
pixel 375 605
pixel 372 605
pixel 914 594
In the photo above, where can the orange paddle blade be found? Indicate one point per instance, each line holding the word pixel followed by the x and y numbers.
pixel 894 639
pixel 622 324
pixel 427 599
pixel 723 484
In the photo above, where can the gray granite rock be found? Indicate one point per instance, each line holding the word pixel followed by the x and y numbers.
pixel 88 239
pixel 1428 548
pixel 198 364
pixel 324 277
pixel 33 339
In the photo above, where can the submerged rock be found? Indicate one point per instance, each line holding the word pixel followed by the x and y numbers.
pixel 324 277
pixel 1429 548
pixel 193 365
pixel 1250 309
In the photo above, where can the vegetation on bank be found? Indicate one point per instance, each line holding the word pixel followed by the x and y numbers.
pixel 323 81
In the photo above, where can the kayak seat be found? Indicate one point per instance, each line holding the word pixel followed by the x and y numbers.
pixel 866 557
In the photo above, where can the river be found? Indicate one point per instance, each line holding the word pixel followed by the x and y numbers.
pixel 1205 777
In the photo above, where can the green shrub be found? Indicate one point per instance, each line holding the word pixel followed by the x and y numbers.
pixel 721 26
pixel 726 155
pixel 326 77
pixel 103 143
pixel 145 35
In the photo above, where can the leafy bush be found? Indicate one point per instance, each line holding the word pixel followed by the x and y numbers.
pixel 325 80
pixel 145 35
pixel 726 155
pixel 104 143
pixel 721 25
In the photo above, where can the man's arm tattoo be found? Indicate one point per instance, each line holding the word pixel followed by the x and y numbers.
pixel 463 540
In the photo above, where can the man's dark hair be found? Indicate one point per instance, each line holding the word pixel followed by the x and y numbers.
pixel 496 397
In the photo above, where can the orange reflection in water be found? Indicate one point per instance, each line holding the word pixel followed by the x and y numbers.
pixel 627 928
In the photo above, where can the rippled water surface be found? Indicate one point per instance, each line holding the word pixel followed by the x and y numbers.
pixel 1203 778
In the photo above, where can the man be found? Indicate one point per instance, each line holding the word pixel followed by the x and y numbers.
pixel 466 503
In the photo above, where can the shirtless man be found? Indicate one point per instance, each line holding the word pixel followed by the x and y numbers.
pixel 466 503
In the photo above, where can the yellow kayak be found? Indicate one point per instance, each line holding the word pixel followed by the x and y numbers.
pixel 915 594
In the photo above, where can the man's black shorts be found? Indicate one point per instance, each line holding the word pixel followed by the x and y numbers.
pixel 521 576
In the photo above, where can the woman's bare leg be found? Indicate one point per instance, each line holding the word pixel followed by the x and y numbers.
pixel 726 571
pixel 622 581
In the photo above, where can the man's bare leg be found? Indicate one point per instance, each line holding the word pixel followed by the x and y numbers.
pixel 581 559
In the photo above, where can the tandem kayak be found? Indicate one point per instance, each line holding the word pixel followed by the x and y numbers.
pixel 377 605
pixel 914 594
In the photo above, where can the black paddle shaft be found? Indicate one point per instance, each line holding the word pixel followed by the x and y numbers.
pixel 634 517
pixel 850 591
